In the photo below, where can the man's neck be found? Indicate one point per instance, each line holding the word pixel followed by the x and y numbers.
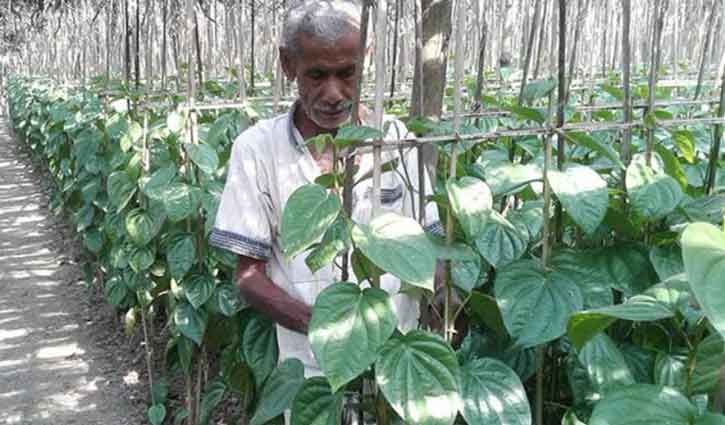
pixel 306 126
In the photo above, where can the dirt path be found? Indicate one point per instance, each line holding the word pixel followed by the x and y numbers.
pixel 62 360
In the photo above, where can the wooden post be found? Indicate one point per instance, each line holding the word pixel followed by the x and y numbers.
pixel 560 112
pixel 396 35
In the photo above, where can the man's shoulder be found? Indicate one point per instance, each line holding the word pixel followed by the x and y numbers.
pixel 263 136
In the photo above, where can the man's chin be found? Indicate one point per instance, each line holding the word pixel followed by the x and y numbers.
pixel 331 123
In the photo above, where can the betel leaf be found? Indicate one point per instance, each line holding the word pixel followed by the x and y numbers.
pixel 615 92
pixel 198 288
pixel 259 346
pixel 181 201
pixel 316 404
pixel 643 404
pixel 492 394
pixel 500 242
pixel 530 114
pixel 605 364
pixel 667 260
pixel 121 187
pixel 310 210
pixel 506 177
pixel 603 149
pixel 671 371
pixel 685 142
pixel 213 395
pixel 181 255
pixel 709 360
pixel 703 252
pixel 190 321
pixel 204 156
pixel 626 267
pixel 535 304
pixel 156 414
pixel 142 226
pixel 115 290
pixel 709 419
pixel 470 199
pixel 156 185
pixel 584 325
pixel 399 246
pixel 653 194
pixel 418 374
pixel 538 89
pixel 350 135
pixel 583 194
pixel 336 239
pixel 347 328
pixel 673 168
pixel 583 269
pixel 279 391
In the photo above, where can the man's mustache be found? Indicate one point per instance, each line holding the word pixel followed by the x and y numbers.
pixel 342 107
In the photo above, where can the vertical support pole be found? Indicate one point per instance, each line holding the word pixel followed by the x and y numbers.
pixel 626 65
pixel 448 327
pixel 560 111
pixel 380 43
pixel 240 26
pixel 350 160
pixel 716 142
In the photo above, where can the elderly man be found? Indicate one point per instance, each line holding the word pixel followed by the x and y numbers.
pixel 320 48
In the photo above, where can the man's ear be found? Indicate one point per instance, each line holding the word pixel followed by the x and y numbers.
pixel 288 64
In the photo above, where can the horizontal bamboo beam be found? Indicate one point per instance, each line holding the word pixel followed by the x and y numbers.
pixel 390 145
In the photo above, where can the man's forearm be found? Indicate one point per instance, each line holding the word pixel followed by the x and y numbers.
pixel 268 298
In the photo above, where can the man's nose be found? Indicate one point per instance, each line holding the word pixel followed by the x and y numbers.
pixel 333 92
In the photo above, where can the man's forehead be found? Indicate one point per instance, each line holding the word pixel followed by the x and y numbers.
pixel 345 47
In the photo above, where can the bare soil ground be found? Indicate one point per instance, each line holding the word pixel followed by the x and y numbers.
pixel 63 356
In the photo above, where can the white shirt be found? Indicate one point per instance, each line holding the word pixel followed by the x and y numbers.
pixel 269 161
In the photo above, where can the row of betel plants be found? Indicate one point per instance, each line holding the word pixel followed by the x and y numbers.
pixel 610 320
pixel 217 392
pixel 143 197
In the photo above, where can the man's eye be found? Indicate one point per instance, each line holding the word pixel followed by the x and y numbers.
pixel 347 73
pixel 316 75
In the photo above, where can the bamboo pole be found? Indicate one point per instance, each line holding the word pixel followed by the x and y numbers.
pixel 459 70
pixel 560 113
pixel 349 177
pixel 626 149
pixel 380 33
pixel 716 143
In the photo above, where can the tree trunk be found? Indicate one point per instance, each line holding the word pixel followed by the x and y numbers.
pixel 530 48
pixel 436 35
pixel 542 36
pixel 706 49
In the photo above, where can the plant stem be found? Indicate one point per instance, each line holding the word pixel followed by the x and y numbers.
pixel 349 178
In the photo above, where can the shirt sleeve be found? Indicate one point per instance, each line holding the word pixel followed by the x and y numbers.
pixel 242 223
pixel 408 169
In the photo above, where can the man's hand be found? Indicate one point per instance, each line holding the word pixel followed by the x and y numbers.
pixel 268 298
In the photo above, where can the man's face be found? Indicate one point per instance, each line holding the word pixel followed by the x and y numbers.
pixel 325 78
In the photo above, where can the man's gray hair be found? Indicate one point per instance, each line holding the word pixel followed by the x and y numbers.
pixel 323 20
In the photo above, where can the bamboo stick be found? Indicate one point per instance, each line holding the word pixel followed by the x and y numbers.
pixel 716 143
pixel 380 33
pixel 626 148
